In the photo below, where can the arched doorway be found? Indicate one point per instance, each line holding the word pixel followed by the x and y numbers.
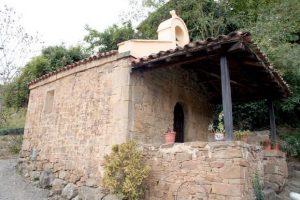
pixel 179 123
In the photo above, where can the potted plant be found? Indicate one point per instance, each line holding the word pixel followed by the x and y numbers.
pixel 276 146
pixel 170 136
pixel 238 135
pixel 218 130
pixel 242 135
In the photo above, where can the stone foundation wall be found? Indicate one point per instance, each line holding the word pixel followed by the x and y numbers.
pixel 88 114
pixel 215 170
pixel 275 170
pixel 154 94
pixel 207 170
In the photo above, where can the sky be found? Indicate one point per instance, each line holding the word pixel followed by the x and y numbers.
pixel 63 21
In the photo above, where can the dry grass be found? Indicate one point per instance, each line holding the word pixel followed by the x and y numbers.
pixel 10 145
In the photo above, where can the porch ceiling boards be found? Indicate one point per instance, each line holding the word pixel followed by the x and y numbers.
pixel 252 77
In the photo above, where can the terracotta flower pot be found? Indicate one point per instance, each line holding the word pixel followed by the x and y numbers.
pixel 170 137
pixel 267 145
pixel 245 138
pixel 276 147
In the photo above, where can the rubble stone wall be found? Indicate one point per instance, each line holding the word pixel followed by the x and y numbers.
pixel 88 114
pixel 193 170
pixel 215 170
pixel 275 170
pixel 154 94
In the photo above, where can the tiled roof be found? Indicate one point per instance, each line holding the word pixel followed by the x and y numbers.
pixel 199 44
pixel 241 39
pixel 75 64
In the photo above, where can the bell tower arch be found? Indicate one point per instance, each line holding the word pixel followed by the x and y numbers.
pixel 175 30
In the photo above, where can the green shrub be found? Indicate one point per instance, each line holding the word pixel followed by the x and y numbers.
pixel 257 188
pixel 11 131
pixel 12 117
pixel 291 143
pixel 15 143
pixel 238 135
pixel 125 171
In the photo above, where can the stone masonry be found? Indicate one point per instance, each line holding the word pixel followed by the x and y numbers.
pixel 211 170
pixel 275 170
pixel 154 94
pixel 75 116
pixel 89 114
pixel 193 170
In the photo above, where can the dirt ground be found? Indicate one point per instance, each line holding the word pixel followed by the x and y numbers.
pixel 14 186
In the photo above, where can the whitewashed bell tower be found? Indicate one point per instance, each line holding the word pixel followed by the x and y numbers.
pixel 171 33
pixel 174 29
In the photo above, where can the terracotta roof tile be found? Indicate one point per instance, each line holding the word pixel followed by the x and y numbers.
pixel 244 37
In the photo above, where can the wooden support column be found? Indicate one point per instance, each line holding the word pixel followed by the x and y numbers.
pixel 272 121
pixel 226 98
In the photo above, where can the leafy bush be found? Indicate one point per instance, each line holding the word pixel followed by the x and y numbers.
pixel 16 93
pixel 125 171
pixel 12 117
pixel 238 135
pixel 109 38
pixel 257 188
pixel 11 131
pixel 15 143
pixel 291 143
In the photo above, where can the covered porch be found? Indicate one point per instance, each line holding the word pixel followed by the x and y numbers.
pixel 221 70
pixel 227 69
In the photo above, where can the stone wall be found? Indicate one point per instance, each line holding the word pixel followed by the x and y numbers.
pixel 87 114
pixel 193 170
pixel 154 94
pixel 215 170
pixel 75 117
pixel 275 170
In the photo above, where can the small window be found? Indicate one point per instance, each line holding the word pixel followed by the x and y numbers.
pixel 49 101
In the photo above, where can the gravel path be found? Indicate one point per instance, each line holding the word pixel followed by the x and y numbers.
pixel 15 187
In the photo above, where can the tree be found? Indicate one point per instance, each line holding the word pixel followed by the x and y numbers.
pixel 15 44
pixel 139 10
pixel 203 18
pixel 277 31
pixel 52 58
pixel 275 27
pixel 109 38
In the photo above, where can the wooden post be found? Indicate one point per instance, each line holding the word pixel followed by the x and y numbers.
pixel 226 98
pixel 272 121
